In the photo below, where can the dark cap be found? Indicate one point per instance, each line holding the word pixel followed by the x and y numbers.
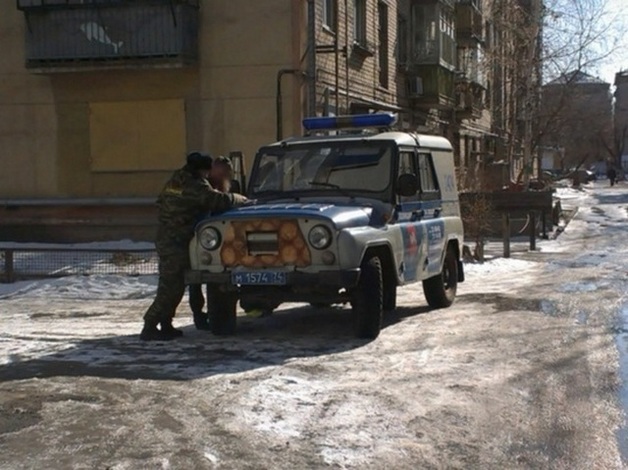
pixel 199 161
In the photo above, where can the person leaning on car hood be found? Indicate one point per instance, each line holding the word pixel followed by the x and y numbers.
pixel 184 199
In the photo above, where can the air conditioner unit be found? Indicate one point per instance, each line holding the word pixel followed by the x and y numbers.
pixel 416 86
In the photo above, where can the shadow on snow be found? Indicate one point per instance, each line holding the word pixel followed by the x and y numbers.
pixel 296 333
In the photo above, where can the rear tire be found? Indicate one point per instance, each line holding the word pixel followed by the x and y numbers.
pixel 440 290
pixel 368 300
pixel 222 312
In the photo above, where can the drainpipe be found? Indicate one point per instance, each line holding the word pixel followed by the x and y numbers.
pixel 347 49
pixel 279 98
pixel 311 57
pixel 337 55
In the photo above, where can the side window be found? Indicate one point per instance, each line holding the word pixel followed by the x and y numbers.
pixel 427 177
pixel 407 166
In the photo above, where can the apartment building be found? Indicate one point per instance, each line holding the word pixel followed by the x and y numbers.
pixel 102 98
pixel 577 116
pixel 619 142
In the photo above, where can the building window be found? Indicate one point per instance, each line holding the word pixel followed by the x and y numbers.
pixel 329 14
pixel 424 33
pixel 402 40
pixel 359 21
pixel 382 10
pixel 447 37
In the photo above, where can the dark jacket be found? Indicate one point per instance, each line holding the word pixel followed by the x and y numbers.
pixel 183 201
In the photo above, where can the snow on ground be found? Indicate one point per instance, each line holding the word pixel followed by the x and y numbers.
pixel 517 374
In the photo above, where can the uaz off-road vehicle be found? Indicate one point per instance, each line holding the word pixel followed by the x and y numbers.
pixel 341 218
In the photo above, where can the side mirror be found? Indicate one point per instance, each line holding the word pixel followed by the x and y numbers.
pixel 407 185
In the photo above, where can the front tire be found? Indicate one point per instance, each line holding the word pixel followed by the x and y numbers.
pixel 440 290
pixel 368 300
pixel 222 312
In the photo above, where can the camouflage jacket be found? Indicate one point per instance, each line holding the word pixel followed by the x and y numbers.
pixel 184 199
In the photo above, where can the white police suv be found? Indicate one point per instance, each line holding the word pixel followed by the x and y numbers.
pixel 343 218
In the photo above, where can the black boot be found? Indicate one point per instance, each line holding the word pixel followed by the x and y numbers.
pixel 167 328
pixel 151 333
pixel 201 321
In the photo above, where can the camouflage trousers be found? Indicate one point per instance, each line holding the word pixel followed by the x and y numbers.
pixel 171 287
pixel 197 299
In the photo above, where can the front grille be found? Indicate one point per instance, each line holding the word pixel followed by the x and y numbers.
pixel 262 243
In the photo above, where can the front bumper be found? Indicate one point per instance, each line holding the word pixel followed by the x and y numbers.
pixel 341 279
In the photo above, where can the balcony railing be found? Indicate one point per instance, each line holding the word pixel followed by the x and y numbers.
pixel 431 87
pixel 101 32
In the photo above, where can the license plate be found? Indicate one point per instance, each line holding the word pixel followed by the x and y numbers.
pixel 259 278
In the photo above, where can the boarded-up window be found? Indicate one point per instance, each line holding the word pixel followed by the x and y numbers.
pixel 137 135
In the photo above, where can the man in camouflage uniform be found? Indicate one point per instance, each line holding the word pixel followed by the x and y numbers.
pixel 184 199
pixel 220 178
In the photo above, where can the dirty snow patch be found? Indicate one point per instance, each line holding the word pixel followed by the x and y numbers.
pixel 499 266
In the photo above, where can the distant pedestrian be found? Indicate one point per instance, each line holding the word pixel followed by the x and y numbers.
pixel 184 199
pixel 612 175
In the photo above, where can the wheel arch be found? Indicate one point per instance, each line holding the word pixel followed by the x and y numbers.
pixel 454 243
pixel 389 271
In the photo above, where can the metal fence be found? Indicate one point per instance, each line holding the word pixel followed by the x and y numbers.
pixel 29 263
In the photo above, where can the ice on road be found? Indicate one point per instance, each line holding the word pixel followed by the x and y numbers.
pixel 522 372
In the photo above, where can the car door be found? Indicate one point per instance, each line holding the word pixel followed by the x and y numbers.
pixel 432 223
pixel 409 218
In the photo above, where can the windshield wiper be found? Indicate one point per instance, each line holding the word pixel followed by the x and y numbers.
pixel 342 191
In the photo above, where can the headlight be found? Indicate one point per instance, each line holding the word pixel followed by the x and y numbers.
pixel 320 237
pixel 209 238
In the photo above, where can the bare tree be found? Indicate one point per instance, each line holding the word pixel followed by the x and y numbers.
pixel 536 42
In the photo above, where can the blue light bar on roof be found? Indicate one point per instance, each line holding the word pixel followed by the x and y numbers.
pixel 357 121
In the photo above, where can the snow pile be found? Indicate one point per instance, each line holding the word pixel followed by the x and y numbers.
pixel 570 194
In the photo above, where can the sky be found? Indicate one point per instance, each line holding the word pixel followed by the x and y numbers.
pixel 619 57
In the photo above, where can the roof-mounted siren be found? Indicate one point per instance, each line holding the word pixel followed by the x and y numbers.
pixel 381 121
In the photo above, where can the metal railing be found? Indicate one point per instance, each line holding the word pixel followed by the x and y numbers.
pixel 111 32
pixel 32 263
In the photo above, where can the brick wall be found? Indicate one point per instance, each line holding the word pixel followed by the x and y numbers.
pixel 364 84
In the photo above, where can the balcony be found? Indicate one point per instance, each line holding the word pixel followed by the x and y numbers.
pixel 469 101
pixel 469 22
pixel 431 87
pixel 62 34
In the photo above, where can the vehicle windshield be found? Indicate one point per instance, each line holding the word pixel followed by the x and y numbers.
pixel 335 167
